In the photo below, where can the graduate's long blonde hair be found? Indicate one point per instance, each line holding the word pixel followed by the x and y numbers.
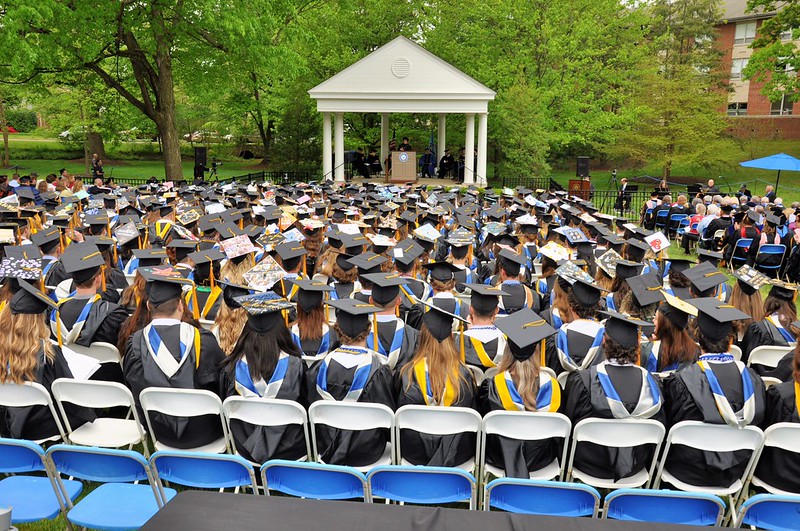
pixel 230 321
pixel 524 374
pixel 23 337
pixel 444 364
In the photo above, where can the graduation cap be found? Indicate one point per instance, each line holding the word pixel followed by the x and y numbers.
pixel 385 286
pixel 232 291
pixel 310 293
pixel 524 330
pixel 783 290
pixel 483 298
pixel 25 194
pixel 636 249
pixel 21 269
pixel 438 321
pixel 368 262
pixel 354 243
pixel 407 251
pixel 150 257
pixel 608 262
pixel 97 221
pixel 715 318
pixel 164 283
pixel 47 239
pixel 679 265
pixel 512 261
pixel 264 310
pixel 677 310
pixel 705 277
pixel 623 329
pixel 343 261
pixel 183 248
pixel 442 271
pixel 30 301
pixel 352 315
pixel 554 252
pixel 712 257
pixel 290 253
pixel 24 252
pixel 749 279
pixel 585 293
pixel 646 288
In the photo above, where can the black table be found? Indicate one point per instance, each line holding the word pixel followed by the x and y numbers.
pixel 218 511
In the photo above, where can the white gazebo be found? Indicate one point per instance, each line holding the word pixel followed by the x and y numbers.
pixel 403 77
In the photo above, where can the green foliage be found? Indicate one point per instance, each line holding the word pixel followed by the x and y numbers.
pixel 774 61
pixel 23 120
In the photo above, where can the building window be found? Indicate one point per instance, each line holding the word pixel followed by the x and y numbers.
pixel 745 33
pixel 781 107
pixel 737 65
pixel 737 109
pixel 786 35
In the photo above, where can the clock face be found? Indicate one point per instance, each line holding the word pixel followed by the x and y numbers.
pixel 403 157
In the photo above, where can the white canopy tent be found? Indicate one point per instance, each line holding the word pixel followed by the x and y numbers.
pixel 403 77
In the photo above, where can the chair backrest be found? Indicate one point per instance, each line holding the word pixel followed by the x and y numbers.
pixel 664 506
pixel 350 415
pixel 770 511
pixel 428 485
pixel 29 394
pixel 266 412
pixel 92 394
pixel 744 242
pixel 769 381
pixel 436 420
pixel 783 435
pixel 203 471
pixel 100 351
pixel 533 496
pixel 181 403
pixel 102 465
pixel 662 214
pixel 736 352
pixel 314 480
pixel 768 355
pixel 772 248
pixel 18 456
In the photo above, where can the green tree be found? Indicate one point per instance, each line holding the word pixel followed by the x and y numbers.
pixel 776 58
pixel 681 91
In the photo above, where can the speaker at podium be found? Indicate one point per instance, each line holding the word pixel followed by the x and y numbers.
pixel 404 166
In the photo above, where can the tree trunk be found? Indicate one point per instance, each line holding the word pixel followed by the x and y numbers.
pixel 171 142
pixel 96 144
pixel 4 128
pixel 165 98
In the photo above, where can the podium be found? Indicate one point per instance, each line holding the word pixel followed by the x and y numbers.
pixel 404 167
pixel 580 188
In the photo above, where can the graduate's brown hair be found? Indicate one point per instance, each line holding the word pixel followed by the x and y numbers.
pixel 677 345
pixel 749 304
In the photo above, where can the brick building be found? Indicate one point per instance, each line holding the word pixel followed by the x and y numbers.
pixel 750 112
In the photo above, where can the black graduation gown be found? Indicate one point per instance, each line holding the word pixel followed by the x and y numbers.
pixel 758 334
pixel 141 372
pixel 471 355
pixel 517 458
pixel 432 450
pixel 36 422
pixel 585 399
pixel 386 330
pixel 777 467
pixel 347 447
pixel 519 296
pixel 56 275
pixel 202 297
pixel 418 288
pixel 450 304
pixel 310 347
pixel 261 443
pixel 688 397
pixel 579 345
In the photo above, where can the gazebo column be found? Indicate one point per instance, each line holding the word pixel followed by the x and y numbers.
pixel 339 147
pixel 327 148
pixel 483 120
pixel 384 138
pixel 442 137
pixel 469 151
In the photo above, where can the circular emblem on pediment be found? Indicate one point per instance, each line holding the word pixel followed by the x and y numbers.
pixel 401 67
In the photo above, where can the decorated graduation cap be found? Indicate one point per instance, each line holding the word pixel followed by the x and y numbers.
pixel 264 310
pixel 164 284
pixel 21 269
pixel 310 293
pixel 623 329
pixel 608 262
pixel 82 261
pixel 783 290
pixel 407 251
pixel 385 286
pixel 485 299
pixel 439 321
pixel 524 330
pixel 715 318
pixel 442 271
pixel 29 300
pixel 353 316
pixel 749 279
pixel 677 310
pixel 704 277
pixel 646 289
pixel 150 257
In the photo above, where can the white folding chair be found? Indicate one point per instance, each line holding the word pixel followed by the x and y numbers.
pixel 616 433
pixel 768 355
pixel 769 381
pixel 354 416
pixel 266 412
pixel 711 438
pixel 184 403
pixel 105 432
pixel 31 394
pixel 526 426
pixel 736 352
pixel 786 436
pixel 440 421
pixel 100 351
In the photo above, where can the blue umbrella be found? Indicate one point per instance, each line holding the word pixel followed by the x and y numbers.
pixel 779 162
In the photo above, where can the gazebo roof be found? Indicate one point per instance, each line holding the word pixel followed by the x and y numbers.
pixel 402 76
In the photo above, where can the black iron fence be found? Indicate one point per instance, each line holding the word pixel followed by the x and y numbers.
pixel 607 202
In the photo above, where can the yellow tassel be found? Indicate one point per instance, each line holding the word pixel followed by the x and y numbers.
pixel 543 362
pixel 103 278
pixel 58 329
pixel 305 274
pixel 195 307
pixel 375 331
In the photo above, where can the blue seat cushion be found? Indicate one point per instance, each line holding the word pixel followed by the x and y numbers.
pixel 115 507
pixel 32 498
